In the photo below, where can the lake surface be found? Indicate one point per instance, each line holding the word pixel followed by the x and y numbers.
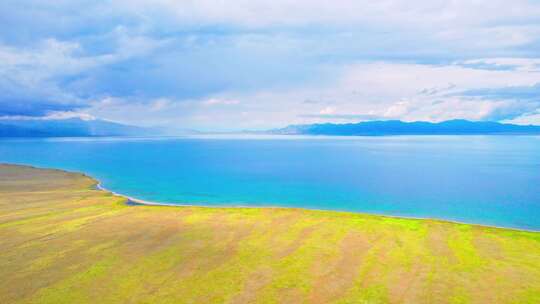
pixel 492 180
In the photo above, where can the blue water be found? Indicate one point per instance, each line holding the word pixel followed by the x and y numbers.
pixel 493 180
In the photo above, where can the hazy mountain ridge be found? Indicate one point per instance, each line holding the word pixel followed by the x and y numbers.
pixel 73 127
pixel 397 127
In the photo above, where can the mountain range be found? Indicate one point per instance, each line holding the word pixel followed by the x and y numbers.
pixel 397 127
pixel 72 127
pixel 76 127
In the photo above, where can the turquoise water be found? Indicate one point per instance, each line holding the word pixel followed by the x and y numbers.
pixel 493 180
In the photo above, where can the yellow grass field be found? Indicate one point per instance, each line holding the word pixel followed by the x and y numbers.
pixel 63 241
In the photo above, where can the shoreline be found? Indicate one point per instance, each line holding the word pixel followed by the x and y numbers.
pixel 241 255
pixel 139 202
pixel 135 201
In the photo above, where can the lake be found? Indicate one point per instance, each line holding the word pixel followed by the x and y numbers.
pixel 491 180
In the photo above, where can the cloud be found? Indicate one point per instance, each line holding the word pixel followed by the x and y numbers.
pixel 50 76
pixel 51 116
pixel 382 90
pixel 328 111
pixel 33 108
pixel 348 117
pixel 30 77
pixel 522 64
pixel 289 12
pixel 405 26
pixel 217 101
pixel 262 63
pixel 529 93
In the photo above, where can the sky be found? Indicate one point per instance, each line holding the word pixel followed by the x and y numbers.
pixel 253 64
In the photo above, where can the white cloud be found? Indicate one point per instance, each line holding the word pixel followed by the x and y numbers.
pixel 532 119
pixel 254 63
pixel 390 91
pixel 34 73
pixel 67 115
pixel 52 116
pixel 521 64
pixel 328 111
pixel 49 58
pixel 219 101
pixel 52 57
pixel 370 90
pixel 294 12
pixel 472 24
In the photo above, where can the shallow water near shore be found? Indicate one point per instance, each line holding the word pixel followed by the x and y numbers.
pixel 490 180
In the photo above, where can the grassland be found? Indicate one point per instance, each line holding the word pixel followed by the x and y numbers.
pixel 63 241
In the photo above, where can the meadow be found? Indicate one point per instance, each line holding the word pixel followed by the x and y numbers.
pixel 64 241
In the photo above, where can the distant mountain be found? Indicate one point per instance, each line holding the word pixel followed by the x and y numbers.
pixel 73 127
pixel 396 127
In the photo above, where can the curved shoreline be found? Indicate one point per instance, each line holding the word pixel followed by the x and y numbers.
pixel 245 255
pixel 135 201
